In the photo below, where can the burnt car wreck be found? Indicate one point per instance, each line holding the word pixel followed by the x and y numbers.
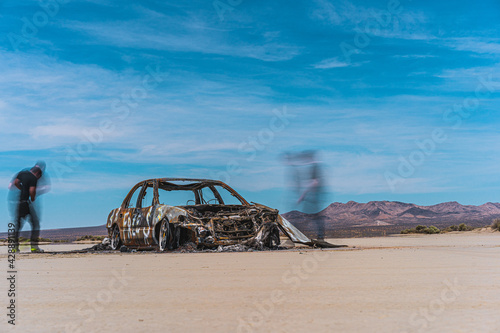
pixel 166 213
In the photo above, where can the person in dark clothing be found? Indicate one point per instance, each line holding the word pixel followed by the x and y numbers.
pixel 26 181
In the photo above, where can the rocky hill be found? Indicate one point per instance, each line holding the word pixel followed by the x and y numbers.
pixel 394 216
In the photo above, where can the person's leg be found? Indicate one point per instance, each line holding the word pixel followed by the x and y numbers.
pixel 21 213
pixel 35 228
pixel 314 209
pixel 321 228
pixel 17 229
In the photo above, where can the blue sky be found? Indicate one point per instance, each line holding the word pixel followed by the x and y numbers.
pixel 401 98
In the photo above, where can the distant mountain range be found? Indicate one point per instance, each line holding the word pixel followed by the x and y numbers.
pixel 394 215
pixel 70 234
pixel 350 219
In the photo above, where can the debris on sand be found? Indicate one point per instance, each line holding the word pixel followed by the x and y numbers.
pixel 189 247
pixel 192 248
pixel 104 246
pixel 233 248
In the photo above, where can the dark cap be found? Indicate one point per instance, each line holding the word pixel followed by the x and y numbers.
pixel 41 164
pixel 36 169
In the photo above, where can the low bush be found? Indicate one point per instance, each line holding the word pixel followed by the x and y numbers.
pixel 90 238
pixel 461 227
pixel 451 228
pixel 432 230
pixel 496 224
pixel 465 227
pixel 422 229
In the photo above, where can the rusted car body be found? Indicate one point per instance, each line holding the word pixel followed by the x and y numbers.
pixel 168 212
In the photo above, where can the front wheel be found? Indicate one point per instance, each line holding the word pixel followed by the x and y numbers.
pixel 273 238
pixel 116 241
pixel 164 238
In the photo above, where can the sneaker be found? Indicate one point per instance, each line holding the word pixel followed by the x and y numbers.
pixel 36 250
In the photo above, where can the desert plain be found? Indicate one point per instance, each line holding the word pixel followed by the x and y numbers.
pixel 403 283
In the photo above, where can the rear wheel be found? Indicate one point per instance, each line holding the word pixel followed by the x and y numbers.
pixel 116 241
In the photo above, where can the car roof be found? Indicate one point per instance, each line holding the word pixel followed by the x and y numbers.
pixel 197 180
pixel 190 184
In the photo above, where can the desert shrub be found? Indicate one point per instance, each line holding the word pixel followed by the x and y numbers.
pixel 451 228
pixel 464 227
pixel 432 230
pixel 496 224
pixel 422 229
pixel 90 238
pixel 461 227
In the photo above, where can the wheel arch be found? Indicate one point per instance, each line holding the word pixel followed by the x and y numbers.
pixel 156 229
pixel 165 212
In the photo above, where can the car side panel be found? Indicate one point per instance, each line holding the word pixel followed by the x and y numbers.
pixel 142 227
pixel 137 226
pixel 127 226
pixel 171 213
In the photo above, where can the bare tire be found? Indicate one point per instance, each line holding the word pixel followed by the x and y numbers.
pixel 116 241
pixel 164 239
pixel 175 235
pixel 273 239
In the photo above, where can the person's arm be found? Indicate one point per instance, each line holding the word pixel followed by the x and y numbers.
pixel 43 185
pixel 17 183
pixel 32 193
pixel 312 184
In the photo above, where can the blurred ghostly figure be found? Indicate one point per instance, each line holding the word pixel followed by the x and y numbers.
pixel 293 181
pixel 307 186
pixel 24 189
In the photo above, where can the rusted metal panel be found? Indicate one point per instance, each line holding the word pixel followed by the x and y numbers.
pixel 291 232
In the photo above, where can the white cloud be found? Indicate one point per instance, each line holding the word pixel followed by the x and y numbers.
pixel 331 63
pixel 374 21
pixel 326 11
pixel 183 36
pixel 414 56
pixel 475 44
pixel 57 130
pixel 91 181
pixel 57 101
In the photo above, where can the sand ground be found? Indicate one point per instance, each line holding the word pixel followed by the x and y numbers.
pixel 433 283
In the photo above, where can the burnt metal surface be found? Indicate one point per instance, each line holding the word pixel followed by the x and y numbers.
pixel 208 224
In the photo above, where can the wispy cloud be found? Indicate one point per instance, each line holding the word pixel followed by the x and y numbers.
pixel 376 20
pixel 415 56
pixel 95 182
pixel 167 33
pixel 331 63
pixel 478 45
